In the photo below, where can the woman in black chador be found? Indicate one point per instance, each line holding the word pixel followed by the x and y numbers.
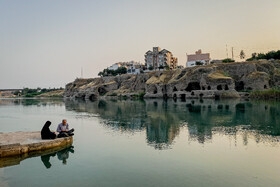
pixel 46 133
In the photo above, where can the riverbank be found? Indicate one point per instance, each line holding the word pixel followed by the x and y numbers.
pixel 20 143
pixel 229 80
pixel 273 93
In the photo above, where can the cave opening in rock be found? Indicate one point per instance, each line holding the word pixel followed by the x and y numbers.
pixel 83 97
pixel 265 87
pixel 203 88
pixel 102 91
pixel 192 93
pixel 201 95
pixel 209 88
pixel 183 97
pixel 175 89
pixel 219 87
pixel 239 86
pixel 193 86
pixel 175 96
pixel 226 87
pixel 92 97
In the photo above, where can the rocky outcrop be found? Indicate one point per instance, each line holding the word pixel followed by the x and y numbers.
pixel 212 81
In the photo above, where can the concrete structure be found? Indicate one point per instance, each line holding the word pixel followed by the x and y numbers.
pixel 21 143
pixel 160 58
pixel 114 66
pixel 131 66
pixel 198 58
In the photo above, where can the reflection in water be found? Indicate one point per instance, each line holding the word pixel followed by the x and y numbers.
pixel 61 152
pixel 62 155
pixel 31 101
pixel 162 120
pixel 46 159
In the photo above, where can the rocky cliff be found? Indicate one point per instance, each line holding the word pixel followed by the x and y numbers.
pixel 212 81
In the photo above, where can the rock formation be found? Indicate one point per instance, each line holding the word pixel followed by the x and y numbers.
pixel 227 80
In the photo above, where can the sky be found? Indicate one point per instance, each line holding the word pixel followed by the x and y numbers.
pixel 45 43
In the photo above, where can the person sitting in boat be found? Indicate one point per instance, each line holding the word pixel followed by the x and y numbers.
pixel 46 132
pixel 63 129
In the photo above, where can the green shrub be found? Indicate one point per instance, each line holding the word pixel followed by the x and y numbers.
pixel 141 95
pixel 228 60
pixel 273 93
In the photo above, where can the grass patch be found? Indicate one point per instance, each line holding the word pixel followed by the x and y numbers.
pixel 273 93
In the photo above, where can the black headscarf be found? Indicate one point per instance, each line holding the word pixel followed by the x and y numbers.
pixel 46 132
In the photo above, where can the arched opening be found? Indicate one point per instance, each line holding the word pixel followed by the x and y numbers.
pixel 192 93
pixel 203 88
pixel 209 88
pixel 102 91
pixel 92 97
pixel 175 96
pixel 201 95
pixel 183 97
pixel 83 97
pixel 155 91
pixel 219 87
pixel 193 86
pixel 226 87
pixel 175 89
pixel 239 86
pixel 265 87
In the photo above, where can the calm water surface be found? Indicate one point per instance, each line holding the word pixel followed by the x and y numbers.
pixel 150 143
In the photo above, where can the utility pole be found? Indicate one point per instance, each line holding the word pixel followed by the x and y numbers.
pixel 232 53
pixel 226 50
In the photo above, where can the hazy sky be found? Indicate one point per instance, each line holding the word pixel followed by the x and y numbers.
pixel 45 43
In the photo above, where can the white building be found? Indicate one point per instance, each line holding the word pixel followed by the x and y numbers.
pixel 131 66
pixel 114 66
pixel 198 58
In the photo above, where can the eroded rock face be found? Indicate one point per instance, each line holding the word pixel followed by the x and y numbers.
pixel 213 81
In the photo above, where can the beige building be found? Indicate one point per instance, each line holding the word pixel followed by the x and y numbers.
pixel 160 58
pixel 198 58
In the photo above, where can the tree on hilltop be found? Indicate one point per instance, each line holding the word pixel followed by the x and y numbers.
pixel 242 54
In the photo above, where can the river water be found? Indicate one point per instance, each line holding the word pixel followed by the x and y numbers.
pixel 149 143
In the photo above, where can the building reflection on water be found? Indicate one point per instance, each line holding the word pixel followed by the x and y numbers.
pixel 162 120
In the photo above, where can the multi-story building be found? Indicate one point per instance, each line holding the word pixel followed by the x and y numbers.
pixel 160 58
pixel 198 58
